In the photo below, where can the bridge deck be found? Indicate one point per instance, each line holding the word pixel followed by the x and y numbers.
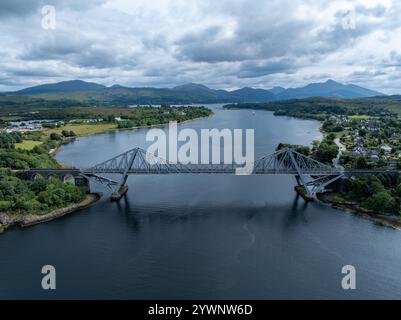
pixel 211 171
pixel 233 171
pixel 311 174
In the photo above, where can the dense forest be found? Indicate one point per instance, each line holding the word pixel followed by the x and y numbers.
pixel 39 196
pixel 147 116
pixel 380 193
pixel 140 115
pixel 10 102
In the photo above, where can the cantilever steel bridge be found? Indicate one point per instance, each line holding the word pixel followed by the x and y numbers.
pixel 313 175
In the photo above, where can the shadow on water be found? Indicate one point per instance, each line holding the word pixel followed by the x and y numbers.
pixel 130 213
pixel 135 213
pixel 296 214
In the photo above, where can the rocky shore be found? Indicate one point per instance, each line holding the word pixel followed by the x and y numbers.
pixel 378 217
pixel 27 220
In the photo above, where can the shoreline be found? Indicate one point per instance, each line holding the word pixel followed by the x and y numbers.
pixel 54 152
pixel 324 198
pixel 8 221
pixel 353 208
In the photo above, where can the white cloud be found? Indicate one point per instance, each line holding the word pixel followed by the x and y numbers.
pixel 225 44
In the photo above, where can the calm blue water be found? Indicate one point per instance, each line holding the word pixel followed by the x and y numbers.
pixel 201 236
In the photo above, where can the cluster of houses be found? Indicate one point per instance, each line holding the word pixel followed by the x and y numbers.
pixel 346 123
pixel 89 120
pixel 373 155
pixel 383 151
pixel 357 140
pixel 38 125
pixel 23 127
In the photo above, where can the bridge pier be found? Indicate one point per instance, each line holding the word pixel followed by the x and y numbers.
pixel 300 190
pixel 118 194
pixel 297 178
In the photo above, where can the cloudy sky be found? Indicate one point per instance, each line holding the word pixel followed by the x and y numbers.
pixel 219 43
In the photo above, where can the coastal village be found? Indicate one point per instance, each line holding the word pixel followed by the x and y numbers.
pixel 39 125
pixel 376 140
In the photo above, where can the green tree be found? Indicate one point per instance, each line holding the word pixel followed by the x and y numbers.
pixel 326 152
pixel 381 201
pixel 363 132
pixel 331 137
pixel 55 136
pixel 5 205
pixel 303 150
pixel 67 134
pixel 39 184
pixel 366 186
pixel 361 163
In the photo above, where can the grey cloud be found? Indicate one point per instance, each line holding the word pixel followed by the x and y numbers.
pixel 17 7
pixel 364 75
pixel 154 72
pixel 12 8
pixel 255 69
pixel 338 37
pixel 257 38
pixel 377 11
pixel 98 57
pixel 76 50
pixel 394 59
pixel 55 45
pixel 271 30
pixel 32 73
pixel 154 42
pixel 205 46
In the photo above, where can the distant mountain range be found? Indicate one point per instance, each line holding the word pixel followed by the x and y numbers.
pixel 188 93
pixel 60 87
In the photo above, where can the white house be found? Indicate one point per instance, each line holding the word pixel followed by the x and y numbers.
pixel 386 148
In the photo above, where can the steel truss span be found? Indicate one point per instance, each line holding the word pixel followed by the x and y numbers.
pixel 312 175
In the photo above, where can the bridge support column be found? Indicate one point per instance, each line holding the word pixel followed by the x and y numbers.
pixel 122 187
pixel 302 187
pixel 301 190
pixel 298 179
pixel 119 193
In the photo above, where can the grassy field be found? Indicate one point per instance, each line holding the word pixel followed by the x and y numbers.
pixel 83 129
pixel 341 133
pixel 362 117
pixel 27 144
